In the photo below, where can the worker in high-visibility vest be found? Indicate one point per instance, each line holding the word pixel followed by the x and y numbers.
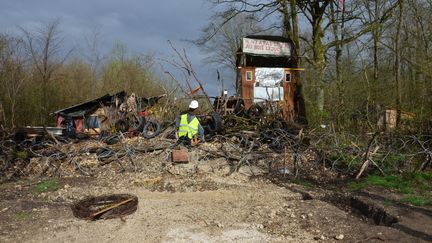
pixel 188 125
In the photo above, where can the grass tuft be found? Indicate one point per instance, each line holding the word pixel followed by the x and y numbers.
pixel 46 186
pixel 417 186
pixel 357 185
pixel 23 215
pixel 391 182
pixel 21 154
pixel 304 183
pixel 417 201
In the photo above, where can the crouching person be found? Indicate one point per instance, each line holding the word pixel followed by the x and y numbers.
pixel 188 126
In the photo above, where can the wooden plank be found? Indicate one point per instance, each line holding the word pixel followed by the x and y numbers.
pixel 93 216
pixel 295 69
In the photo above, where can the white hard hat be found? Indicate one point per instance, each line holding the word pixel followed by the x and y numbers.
pixel 193 104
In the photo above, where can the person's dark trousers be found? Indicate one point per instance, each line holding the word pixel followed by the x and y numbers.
pixel 184 141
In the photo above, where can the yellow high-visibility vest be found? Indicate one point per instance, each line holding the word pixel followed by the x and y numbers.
pixel 188 129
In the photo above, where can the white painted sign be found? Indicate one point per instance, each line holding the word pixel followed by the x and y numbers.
pixel 266 47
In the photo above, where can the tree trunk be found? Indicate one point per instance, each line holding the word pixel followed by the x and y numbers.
pixel 376 39
pixel 339 38
pixel 286 20
pixel 318 50
pixel 295 27
pixel 398 58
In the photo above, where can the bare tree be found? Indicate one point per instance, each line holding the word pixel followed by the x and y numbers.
pixel 222 41
pixel 44 46
pixel 316 14
pixel 13 72
pixel 92 52
pixel 419 30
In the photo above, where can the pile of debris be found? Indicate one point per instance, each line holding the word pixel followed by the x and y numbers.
pixel 109 114
pixel 272 149
pixel 125 133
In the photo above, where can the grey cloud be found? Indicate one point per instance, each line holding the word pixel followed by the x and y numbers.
pixel 144 26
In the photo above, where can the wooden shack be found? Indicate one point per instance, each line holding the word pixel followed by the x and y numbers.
pixel 266 73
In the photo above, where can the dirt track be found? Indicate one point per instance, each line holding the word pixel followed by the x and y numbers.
pixel 202 202
pixel 205 207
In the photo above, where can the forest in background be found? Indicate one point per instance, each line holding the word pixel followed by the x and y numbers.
pixel 39 75
pixel 360 57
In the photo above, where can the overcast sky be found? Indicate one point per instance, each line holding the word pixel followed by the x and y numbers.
pixel 144 26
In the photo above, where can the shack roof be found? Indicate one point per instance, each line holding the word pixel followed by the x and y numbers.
pixel 88 107
pixel 270 38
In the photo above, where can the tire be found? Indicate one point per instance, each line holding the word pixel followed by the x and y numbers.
pixel 151 129
pixel 215 123
pixel 137 123
pixel 82 136
pixel 20 136
pixel 111 140
pixel 104 154
pixel 122 125
pixel 279 124
pixel 255 111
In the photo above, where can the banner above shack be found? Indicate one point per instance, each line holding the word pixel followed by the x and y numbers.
pixel 266 47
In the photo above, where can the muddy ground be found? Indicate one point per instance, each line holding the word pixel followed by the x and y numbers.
pixel 202 202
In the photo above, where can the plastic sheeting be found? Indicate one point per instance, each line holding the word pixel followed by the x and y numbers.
pixel 269 84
